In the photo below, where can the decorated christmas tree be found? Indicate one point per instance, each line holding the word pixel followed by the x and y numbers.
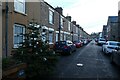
pixel 40 59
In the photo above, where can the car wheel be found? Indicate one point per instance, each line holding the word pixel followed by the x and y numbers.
pixel 112 59
pixel 70 52
pixel 102 50
pixel 105 51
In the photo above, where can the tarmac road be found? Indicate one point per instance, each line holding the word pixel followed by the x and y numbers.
pixel 87 62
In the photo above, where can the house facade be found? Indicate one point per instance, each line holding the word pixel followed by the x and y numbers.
pixel 104 31
pixel 14 21
pixel 17 15
pixel 112 28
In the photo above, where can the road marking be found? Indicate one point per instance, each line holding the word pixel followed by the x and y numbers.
pixel 79 65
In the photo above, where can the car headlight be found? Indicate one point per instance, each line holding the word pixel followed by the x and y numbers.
pixel 114 50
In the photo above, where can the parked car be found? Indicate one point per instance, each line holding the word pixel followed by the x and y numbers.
pixel 109 46
pixel 85 41
pixel 115 57
pixel 81 42
pixel 96 40
pixel 101 41
pixel 64 47
pixel 78 44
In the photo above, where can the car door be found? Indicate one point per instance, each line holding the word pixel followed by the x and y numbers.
pixel 117 57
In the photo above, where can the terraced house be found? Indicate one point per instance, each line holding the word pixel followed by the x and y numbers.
pixel 112 28
pixel 18 14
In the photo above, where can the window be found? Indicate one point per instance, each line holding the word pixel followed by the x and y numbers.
pixel 50 37
pixel 61 36
pixel 19 6
pixel 19 30
pixel 114 43
pixel 56 36
pixel 69 26
pixel 51 16
pixel 61 22
pixel 64 36
pixel 76 29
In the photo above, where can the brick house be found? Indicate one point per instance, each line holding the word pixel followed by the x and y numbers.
pixel 17 15
pixel 112 27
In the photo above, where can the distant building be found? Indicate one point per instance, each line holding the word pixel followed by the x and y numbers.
pixel 104 31
pixel 112 28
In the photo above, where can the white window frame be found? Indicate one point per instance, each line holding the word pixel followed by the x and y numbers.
pixel 61 21
pixel 51 16
pixel 57 36
pixel 50 37
pixel 64 36
pixel 76 29
pixel 68 26
pixel 19 6
pixel 18 34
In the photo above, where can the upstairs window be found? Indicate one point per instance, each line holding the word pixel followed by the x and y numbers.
pixel 76 29
pixel 51 16
pixel 68 26
pixel 61 22
pixel 19 6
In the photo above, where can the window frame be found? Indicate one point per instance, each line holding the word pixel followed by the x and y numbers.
pixel 61 21
pixel 19 35
pixel 51 16
pixel 18 4
pixel 69 26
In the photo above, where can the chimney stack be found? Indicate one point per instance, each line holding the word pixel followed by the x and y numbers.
pixel 68 18
pixel 74 22
pixel 59 10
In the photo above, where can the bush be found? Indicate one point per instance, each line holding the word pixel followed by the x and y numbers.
pixel 36 54
pixel 8 62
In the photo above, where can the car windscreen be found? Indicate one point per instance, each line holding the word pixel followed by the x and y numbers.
pixel 76 41
pixel 102 39
pixel 114 43
pixel 61 43
pixel 118 44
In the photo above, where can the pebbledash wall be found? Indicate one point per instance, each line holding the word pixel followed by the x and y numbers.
pixel 17 15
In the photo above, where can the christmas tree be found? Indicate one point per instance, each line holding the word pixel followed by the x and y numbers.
pixel 40 59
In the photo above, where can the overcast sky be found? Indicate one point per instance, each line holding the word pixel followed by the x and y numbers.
pixel 91 15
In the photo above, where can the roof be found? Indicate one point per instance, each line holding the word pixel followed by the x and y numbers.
pixel 113 18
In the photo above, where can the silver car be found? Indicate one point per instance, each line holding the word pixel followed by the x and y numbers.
pixel 115 57
pixel 109 46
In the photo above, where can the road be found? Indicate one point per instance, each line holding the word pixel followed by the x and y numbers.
pixel 95 64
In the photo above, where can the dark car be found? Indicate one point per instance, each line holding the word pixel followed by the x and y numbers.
pixel 64 47
pixel 78 44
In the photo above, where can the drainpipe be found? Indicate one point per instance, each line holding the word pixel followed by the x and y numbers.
pixel 6 31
